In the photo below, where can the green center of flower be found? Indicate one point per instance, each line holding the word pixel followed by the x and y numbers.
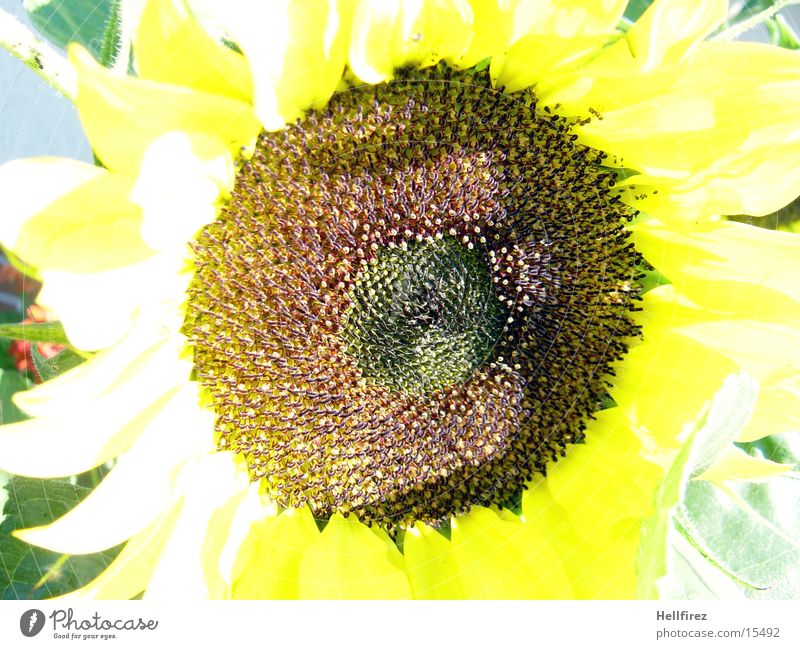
pixel 423 316
pixel 413 300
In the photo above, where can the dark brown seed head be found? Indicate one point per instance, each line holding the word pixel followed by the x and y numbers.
pixel 413 299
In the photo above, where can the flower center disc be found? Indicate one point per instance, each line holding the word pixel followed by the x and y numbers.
pixel 424 316
pixel 413 299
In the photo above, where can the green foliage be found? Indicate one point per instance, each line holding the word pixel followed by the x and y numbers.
pixel 777 448
pixel 741 540
pixel 650 277
pixel 781 33
pixel 636 8
pixel 727 414
pixel 654 542
pixel 748 7
pixel 40 332
pixel 49 368
pixel 11 382
pixel 6 361
pixel 63 21
pixel 43 332
pixel 750 531
pixel 112 36
pixel 28 572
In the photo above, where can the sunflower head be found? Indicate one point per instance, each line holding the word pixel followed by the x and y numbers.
pixel 385 291
pixel 413 299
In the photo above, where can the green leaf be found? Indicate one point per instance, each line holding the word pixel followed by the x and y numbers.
pixel 27 572
pixel 741 540
pixel 6 360
pixel 63 21
pixel 49 368
pixel 781 33
pixel 784 448
pixel 749 15
pixel 636 8
pixel 650 278
pixel 21 266
pixel 11 382
pixel 40 332
pixel 750 531
pixel 692 575
pixel 4 479
pixel 652 564
pixel 715 431
pixel 728 413
pixel 737 540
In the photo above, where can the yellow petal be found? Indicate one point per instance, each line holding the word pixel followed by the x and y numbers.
pixel 537 57
pixel 723 99
pixel 122 116
pixel 188 566
pixel 600 567
pixel 180 182
pixel 500 559
pixel 662 386
pixel 493 27
pixel 272 570
pixel 104 372
pixel 541 510
pixel 97 310
pixel 568 18
pixel 753 190
pixel 704 260
pixel 550 39
pixel 777 410
pixel 666 308
pixel 607 571
pixel 655 51
pixel 669 29
pixel 125 501
pixel 736 465
pixel 297 53
pixel 752 339
pixel 604 480
pixel 130 572
pixel 171 47
pixel 66 215
pixel 351 561
pixel 388 34
pixel 763 349
pixel 82 438
pixel 238 548
pixel 430 564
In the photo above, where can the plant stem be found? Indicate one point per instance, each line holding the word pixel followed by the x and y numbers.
pixel 40 57
pixel 734 31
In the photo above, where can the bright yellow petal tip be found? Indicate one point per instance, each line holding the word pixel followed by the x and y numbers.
pixel 171 47
pixel 351 561
pixel 122 116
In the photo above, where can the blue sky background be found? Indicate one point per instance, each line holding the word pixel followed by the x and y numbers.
pixel 34 118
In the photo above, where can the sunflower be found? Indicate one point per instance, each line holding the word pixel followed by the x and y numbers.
pixel 404 299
